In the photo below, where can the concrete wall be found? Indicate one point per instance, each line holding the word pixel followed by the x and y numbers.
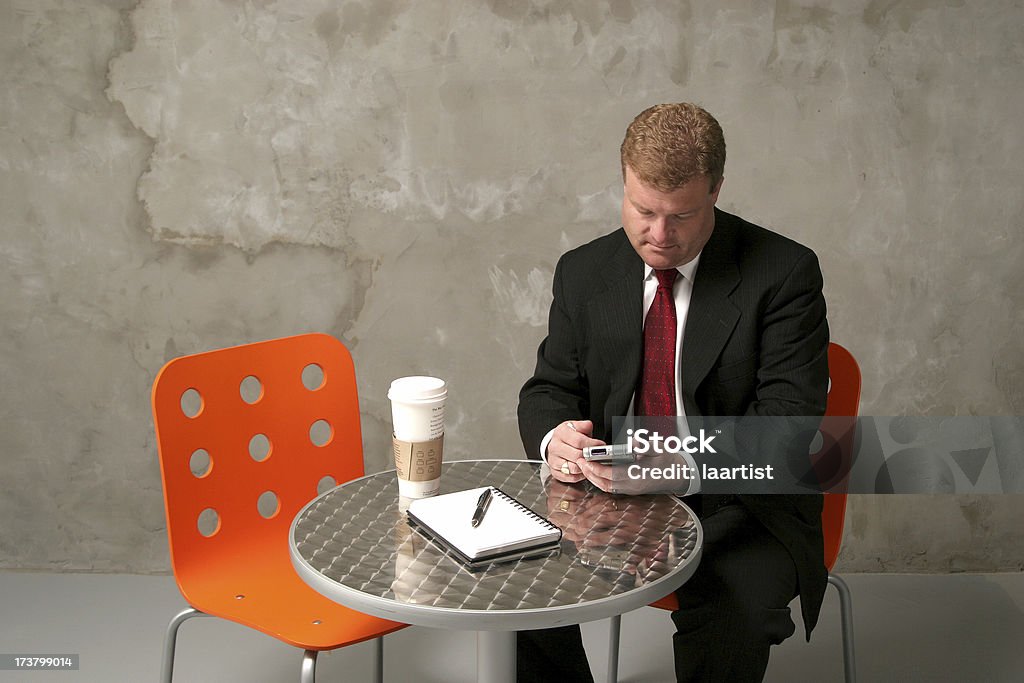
pixel 178 176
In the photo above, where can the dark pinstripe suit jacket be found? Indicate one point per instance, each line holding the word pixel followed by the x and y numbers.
pixel 755 343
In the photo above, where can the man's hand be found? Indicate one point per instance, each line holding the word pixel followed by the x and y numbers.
pixel 565 450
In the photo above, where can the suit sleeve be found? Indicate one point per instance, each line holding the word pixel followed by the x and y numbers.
pixel 793 381
pixel 792 376
pixel 789 389
pixel 558 390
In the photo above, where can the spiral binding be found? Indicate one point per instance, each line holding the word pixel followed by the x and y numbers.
pixel 546 523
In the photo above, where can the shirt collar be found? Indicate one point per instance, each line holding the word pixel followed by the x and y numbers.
pixel 687 270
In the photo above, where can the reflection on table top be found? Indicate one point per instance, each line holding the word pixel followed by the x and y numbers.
pixel 354 542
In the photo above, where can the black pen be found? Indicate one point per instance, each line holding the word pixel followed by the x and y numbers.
pixel 481 507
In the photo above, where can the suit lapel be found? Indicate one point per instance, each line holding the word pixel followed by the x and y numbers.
pixel 618 309
pixel 712 316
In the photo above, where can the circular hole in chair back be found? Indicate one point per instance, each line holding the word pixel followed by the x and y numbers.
pixel 321 433
pixel 312 377
pixel 259 447
pixel 200 463
pixel 268 505
pixel 191 403
pixel 251 389
pixel 208 522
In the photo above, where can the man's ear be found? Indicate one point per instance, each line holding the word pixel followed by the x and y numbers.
pixel 716 190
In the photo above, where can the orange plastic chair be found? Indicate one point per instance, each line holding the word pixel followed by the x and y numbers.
pixel 832 460
pixel 248 435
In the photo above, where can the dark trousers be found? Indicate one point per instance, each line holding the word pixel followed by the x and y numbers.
pixel 732 610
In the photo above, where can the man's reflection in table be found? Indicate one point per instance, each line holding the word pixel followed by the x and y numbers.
pixel 605 529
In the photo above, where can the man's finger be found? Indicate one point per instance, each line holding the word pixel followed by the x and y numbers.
pixel 579 440
pixel 596 474
pixel 565 470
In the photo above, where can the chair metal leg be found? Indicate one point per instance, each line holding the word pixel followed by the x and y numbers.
pixel 377 670
pixel 614 626
pixel 308 673
pixel 846 616
pixel 171 641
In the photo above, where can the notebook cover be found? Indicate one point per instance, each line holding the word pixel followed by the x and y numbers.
pixel 509 531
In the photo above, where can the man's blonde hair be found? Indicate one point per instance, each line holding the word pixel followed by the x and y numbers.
pixel 668 145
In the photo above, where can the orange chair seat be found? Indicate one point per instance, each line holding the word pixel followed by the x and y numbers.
pixel 277 602
pixel 668 602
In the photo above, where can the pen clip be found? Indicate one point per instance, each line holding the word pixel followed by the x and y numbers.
pixel 482 503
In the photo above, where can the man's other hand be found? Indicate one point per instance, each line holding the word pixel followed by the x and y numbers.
pixel 565 450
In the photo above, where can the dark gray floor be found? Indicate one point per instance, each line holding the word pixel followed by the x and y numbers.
pixel 908 627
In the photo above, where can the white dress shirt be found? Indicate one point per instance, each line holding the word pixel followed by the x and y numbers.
pixel 682 289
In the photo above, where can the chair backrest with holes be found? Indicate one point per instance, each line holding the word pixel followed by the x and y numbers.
pixel 246 435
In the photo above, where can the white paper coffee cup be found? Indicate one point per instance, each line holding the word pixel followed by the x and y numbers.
pixel 417 414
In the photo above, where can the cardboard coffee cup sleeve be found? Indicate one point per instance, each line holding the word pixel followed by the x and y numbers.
pixel 418 460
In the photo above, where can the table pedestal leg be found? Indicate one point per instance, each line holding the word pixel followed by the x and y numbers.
pixel 496 656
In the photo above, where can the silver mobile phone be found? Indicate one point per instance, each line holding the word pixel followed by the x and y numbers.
pixel 610 453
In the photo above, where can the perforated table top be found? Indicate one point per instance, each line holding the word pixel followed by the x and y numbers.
pixel 618 553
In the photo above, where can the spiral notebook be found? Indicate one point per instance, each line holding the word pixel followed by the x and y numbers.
pixel 509 530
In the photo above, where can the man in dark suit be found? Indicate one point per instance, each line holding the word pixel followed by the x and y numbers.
pixel 750 339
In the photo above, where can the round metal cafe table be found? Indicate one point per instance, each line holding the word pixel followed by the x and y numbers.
pixel 618 553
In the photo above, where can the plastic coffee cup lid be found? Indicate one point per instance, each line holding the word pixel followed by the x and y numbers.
pixel 417 388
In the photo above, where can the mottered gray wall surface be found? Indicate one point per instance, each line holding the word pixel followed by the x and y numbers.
pixel 177 177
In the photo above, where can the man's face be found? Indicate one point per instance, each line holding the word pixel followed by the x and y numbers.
pixel 668 229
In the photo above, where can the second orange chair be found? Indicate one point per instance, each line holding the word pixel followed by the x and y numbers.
pixel 248 435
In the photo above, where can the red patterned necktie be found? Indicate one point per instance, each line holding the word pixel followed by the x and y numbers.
pixel 657 392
